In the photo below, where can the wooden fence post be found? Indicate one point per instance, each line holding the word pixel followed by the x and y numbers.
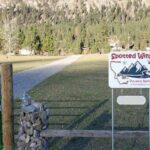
pixel 7 106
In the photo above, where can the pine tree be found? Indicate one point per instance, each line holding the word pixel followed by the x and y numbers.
pixel 36 43
pixel 21 38
pixel 48 43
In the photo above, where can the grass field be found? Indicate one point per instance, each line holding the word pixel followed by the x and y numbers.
pixel 25 62
pixel 79 98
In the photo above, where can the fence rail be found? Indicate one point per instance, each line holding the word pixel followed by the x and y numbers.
pixel 94 133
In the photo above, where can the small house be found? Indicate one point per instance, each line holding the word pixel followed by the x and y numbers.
pixel 26 52
pixel 148 48
pixel 115 47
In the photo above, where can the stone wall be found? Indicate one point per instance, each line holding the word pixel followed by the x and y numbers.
pixel 33 119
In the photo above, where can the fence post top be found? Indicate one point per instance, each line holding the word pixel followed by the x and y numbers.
pixel 6 64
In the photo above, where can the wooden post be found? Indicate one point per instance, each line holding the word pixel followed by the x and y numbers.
pixel 7 106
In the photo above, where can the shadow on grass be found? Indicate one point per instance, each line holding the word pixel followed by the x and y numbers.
pixel 86 114
pixel 78 120
pixel 81 143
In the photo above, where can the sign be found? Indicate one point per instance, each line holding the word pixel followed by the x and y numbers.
pixel 130 69
pixel 131 100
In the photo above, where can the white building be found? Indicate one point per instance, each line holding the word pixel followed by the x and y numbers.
pixel 115 47
pixel 148 48
pixel 26 52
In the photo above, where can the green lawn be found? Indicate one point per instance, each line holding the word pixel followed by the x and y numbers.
pixel 79 98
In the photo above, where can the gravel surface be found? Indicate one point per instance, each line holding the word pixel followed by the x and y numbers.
pixel 26 80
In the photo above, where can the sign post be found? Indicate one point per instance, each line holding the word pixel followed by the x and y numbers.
pixel 112 97
pixel 149 117
pixel 130 69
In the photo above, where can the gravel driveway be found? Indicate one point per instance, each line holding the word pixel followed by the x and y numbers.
pixel 26 80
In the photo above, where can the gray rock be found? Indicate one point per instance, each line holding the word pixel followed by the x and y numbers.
pixel 33 119
pixel 22 137
pixel 48 113
pixel 26 100
pixel 43 116
pixel 29 108
pixel 29 131
pixel 27 139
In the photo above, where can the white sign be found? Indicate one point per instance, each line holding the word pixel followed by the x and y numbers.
pixel 130 69
pixel 131 100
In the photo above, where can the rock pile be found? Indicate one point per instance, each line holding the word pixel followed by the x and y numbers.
pixel 33 119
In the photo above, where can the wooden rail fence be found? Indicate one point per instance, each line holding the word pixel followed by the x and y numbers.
pixel 94 133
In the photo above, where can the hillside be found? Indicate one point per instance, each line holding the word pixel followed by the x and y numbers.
pixel 59 10
pixel 71 4
pixel 72 7
pixel 70 26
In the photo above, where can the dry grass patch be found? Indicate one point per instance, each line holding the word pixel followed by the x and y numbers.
pixel 25 62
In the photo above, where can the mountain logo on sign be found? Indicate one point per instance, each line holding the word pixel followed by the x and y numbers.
pixel 136 70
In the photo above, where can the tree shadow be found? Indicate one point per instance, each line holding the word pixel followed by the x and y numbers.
pixel 86 114
pixel 103 119
pixel 97 124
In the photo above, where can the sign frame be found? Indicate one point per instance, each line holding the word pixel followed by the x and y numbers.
pixel 122 86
